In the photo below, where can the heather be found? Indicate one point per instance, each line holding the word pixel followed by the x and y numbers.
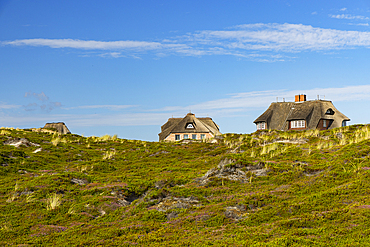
pixel 268 188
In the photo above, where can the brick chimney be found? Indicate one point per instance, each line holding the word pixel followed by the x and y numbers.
pixel 300 98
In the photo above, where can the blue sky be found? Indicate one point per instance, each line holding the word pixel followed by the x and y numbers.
pixel 125 67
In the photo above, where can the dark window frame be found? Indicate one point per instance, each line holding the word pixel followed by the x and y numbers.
pixel 329 112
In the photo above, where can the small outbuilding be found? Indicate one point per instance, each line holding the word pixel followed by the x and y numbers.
pixel 189 127
pixel 301 115
pixel 60 127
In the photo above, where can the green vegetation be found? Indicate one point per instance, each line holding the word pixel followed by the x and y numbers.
pixel 268 188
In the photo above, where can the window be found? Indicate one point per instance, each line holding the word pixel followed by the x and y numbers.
pixel 186 136
pixel 177 137
pixel 329 111
pixel 202 136
pixel 261 126
pixel 297 124
pixel 324 123
pixel 190 126
pixel 344 123
pixel 194 136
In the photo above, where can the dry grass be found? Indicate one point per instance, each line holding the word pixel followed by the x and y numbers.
pixel 30 198
pixel 13 195
pixel 103 138
pixel 109 154
pixel 269 148
pixel 53 201
pixel 83 168
pixel 5 132
pixel 72 209
pixel 55 141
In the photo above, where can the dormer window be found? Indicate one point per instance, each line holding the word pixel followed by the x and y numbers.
pixel 329 112
pixel 190 126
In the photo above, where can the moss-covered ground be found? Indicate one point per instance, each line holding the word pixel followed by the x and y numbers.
pixel 92 191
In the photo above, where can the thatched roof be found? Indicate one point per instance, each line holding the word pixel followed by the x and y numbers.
pixel 60 127
pixel 277 115
pixel 178 125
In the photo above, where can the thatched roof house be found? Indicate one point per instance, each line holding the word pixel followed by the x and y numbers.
pixel 188 127
pixel 301 115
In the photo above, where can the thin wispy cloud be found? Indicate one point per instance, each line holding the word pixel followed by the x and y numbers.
pixel 45 105
pixel 40 96
pixel 256 99
pixel 218 108
pixel 349 17
pixel 260 42
pixel 343 9
pixel 359 24
pixel 112 54
pixel 110 107
pixel 6 106
pixel 282 37
pixel 91 44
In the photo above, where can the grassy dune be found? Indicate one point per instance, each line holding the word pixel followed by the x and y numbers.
pixel 268 188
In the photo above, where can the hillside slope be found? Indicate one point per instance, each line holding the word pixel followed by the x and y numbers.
pixel 268 188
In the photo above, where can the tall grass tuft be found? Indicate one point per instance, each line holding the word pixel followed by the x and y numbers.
pixel 53 201
pixel 55 141
pixel 13 194
pixel 30 197
pixel 11 197
pixel 253 154
pixel 105 138
pixel 343 141
pixel 72 209
pixel 311 133
pixel 83 168
pixel 5 132
pixel 269 148
pixel 109 154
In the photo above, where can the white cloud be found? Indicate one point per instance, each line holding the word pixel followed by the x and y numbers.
pixel 343 9
pixel 281 37
pixel 6 106
pixel 86 120
pixel 92 44
pixel 259 42
pixel 111 107
pixel 133 119
pixel 112 54
pixel 238 103
pixel 40 96
pixel 257 99
pixel 349 17
pixel 46 105
pixel 359 24
pixel 85 44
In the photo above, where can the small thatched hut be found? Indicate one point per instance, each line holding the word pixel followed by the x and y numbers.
pixel 60 127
